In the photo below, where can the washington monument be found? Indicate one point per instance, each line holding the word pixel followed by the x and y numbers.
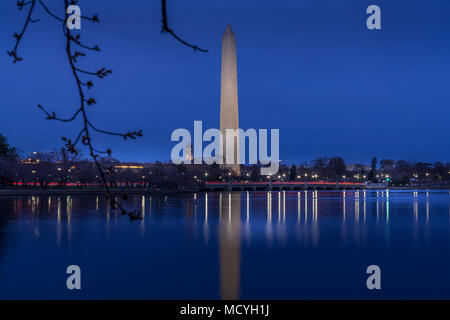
pixel 229 115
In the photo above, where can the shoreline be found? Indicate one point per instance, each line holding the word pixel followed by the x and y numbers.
pixel 70 191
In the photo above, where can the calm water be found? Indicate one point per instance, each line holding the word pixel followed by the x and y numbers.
pixel 255 245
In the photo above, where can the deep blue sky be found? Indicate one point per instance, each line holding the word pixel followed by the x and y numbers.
pixel 310 68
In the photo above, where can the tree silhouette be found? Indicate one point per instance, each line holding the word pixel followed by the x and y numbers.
pixel 8 157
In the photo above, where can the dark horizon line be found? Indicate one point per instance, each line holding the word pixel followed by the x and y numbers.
pixel 286 162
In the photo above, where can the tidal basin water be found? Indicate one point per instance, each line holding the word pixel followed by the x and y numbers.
pixel 222 245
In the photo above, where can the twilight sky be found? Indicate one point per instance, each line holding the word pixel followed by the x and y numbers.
pixel 308 67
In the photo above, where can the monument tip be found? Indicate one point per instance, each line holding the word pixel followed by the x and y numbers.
pixel 228 30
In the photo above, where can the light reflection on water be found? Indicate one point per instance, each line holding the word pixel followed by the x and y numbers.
pixel 233 226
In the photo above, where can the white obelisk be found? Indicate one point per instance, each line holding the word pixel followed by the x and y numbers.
pixel 229 115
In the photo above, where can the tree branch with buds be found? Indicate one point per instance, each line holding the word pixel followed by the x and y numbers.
pixel 84 136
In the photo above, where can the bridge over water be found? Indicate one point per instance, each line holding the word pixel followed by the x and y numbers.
pixel 279 185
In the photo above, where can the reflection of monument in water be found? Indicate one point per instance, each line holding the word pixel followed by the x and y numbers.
pixel 230 244
pixel 229 115
pixel 189 155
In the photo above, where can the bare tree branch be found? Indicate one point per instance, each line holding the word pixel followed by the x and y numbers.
pixel 84 135
pixel 19 36
pixel 53 116
pixel 49 12
pixel 165 28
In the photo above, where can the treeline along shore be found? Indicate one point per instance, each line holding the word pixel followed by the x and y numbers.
pixel 60 171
